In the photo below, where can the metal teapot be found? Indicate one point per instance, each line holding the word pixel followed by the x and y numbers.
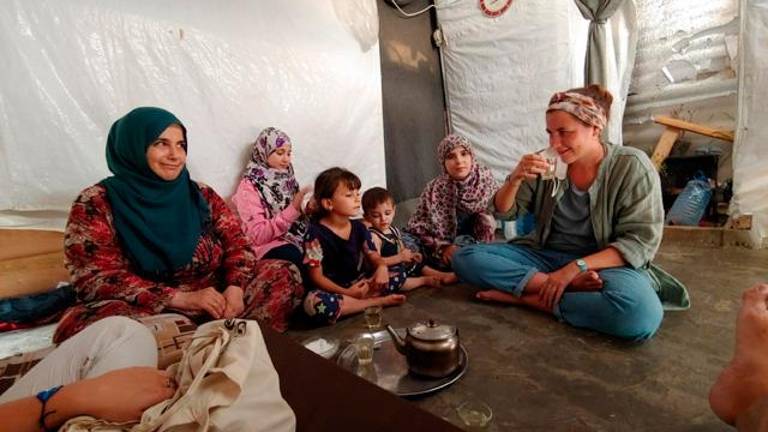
pixel 431 349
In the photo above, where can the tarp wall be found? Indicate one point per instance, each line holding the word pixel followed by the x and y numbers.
pixel 750 176
pixel 500 72
pixel 226 69
pixel 686 68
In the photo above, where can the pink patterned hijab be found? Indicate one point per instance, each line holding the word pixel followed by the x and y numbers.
pixel 435 219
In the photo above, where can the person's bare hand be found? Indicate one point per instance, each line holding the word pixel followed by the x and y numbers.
pixel 298 198
pixel 380 278
pixel 529 167
pixel 358 290
pixel 552 289
pixel 206 300
pixel 235 305
pixel 311 207
pixel 417 257
pixel 122 395
pixel 407 255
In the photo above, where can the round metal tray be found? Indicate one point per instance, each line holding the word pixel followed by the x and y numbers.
pixel 389 369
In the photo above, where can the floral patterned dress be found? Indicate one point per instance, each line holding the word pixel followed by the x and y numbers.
pixel 107 283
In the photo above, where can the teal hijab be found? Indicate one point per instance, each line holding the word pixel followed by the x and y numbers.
pixel 158 222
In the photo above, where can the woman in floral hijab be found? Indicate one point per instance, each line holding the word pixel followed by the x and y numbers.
pixel 452 210
pixel 268 199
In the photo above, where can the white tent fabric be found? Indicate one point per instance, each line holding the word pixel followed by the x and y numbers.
pixel 226 69
pixel 750 177
pixel 620 45
pixel 500 72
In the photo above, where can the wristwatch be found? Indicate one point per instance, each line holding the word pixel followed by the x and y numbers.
pixel 582 265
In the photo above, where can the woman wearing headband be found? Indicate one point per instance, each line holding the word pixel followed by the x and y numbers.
pixel 597 229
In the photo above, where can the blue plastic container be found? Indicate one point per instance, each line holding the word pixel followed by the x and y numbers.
pixel 690 205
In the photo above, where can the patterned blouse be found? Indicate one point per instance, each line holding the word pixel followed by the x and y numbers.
pixel 100 270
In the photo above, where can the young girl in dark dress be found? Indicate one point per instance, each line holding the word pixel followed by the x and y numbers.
pixel 337 250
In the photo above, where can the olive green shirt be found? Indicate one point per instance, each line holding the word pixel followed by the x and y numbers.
pixel 626 211
pixel 625 206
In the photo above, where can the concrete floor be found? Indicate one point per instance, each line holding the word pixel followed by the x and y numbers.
pixel 541 375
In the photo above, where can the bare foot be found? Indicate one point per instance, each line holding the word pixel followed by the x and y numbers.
pixel 586 281
pixel 745 379
pixel 498 296
pixel 433 281
pixel 393 300
pixel 448 278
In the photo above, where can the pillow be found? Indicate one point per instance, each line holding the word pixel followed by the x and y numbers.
pixel 173 333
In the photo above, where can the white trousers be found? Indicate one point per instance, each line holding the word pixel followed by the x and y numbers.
pixel 108 344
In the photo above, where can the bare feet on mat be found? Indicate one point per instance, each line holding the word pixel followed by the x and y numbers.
pixel 498 296
pixel 448 278
pixel 745 379
pixel 393 300
pixel 433 281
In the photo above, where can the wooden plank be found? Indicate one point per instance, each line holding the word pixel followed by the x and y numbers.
pixel 32 274
pixel 20 243
pixel 724 135
pixel 664 146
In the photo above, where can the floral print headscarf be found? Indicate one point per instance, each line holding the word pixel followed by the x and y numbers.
pixel 580 106
pixel 435 219
pixel 276 187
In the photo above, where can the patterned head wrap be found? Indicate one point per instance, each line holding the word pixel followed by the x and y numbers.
pixel 276 187
pixel 269 140
pixel 435 219
pixel 580 106
pixel 449 143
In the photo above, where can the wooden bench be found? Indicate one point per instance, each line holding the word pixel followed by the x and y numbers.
pixel 31 261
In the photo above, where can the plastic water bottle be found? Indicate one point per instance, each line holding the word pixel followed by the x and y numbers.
pixel 690 205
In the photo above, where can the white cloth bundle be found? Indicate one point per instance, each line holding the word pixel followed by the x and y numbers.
pixel 226 382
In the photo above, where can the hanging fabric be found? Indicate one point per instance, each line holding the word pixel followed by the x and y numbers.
pixel 610 54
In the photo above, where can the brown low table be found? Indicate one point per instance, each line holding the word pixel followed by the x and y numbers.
pixel 325 397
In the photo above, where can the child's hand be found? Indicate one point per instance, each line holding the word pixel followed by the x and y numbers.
pixel 299 197
pixel 406 255
pixel 311 206
pixel 381 278
pixel 358 290
pixel 417 257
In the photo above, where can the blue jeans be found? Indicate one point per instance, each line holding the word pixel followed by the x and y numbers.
pixel 627 306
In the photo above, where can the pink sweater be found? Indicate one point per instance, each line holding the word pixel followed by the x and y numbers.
pixel 264 233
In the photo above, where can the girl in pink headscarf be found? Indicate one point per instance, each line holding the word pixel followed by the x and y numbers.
pixel 268 200
pixel 453 209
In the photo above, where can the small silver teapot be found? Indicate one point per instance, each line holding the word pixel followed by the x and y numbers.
pixel 431 349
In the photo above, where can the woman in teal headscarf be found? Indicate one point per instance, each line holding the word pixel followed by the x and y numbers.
pixel 149 239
